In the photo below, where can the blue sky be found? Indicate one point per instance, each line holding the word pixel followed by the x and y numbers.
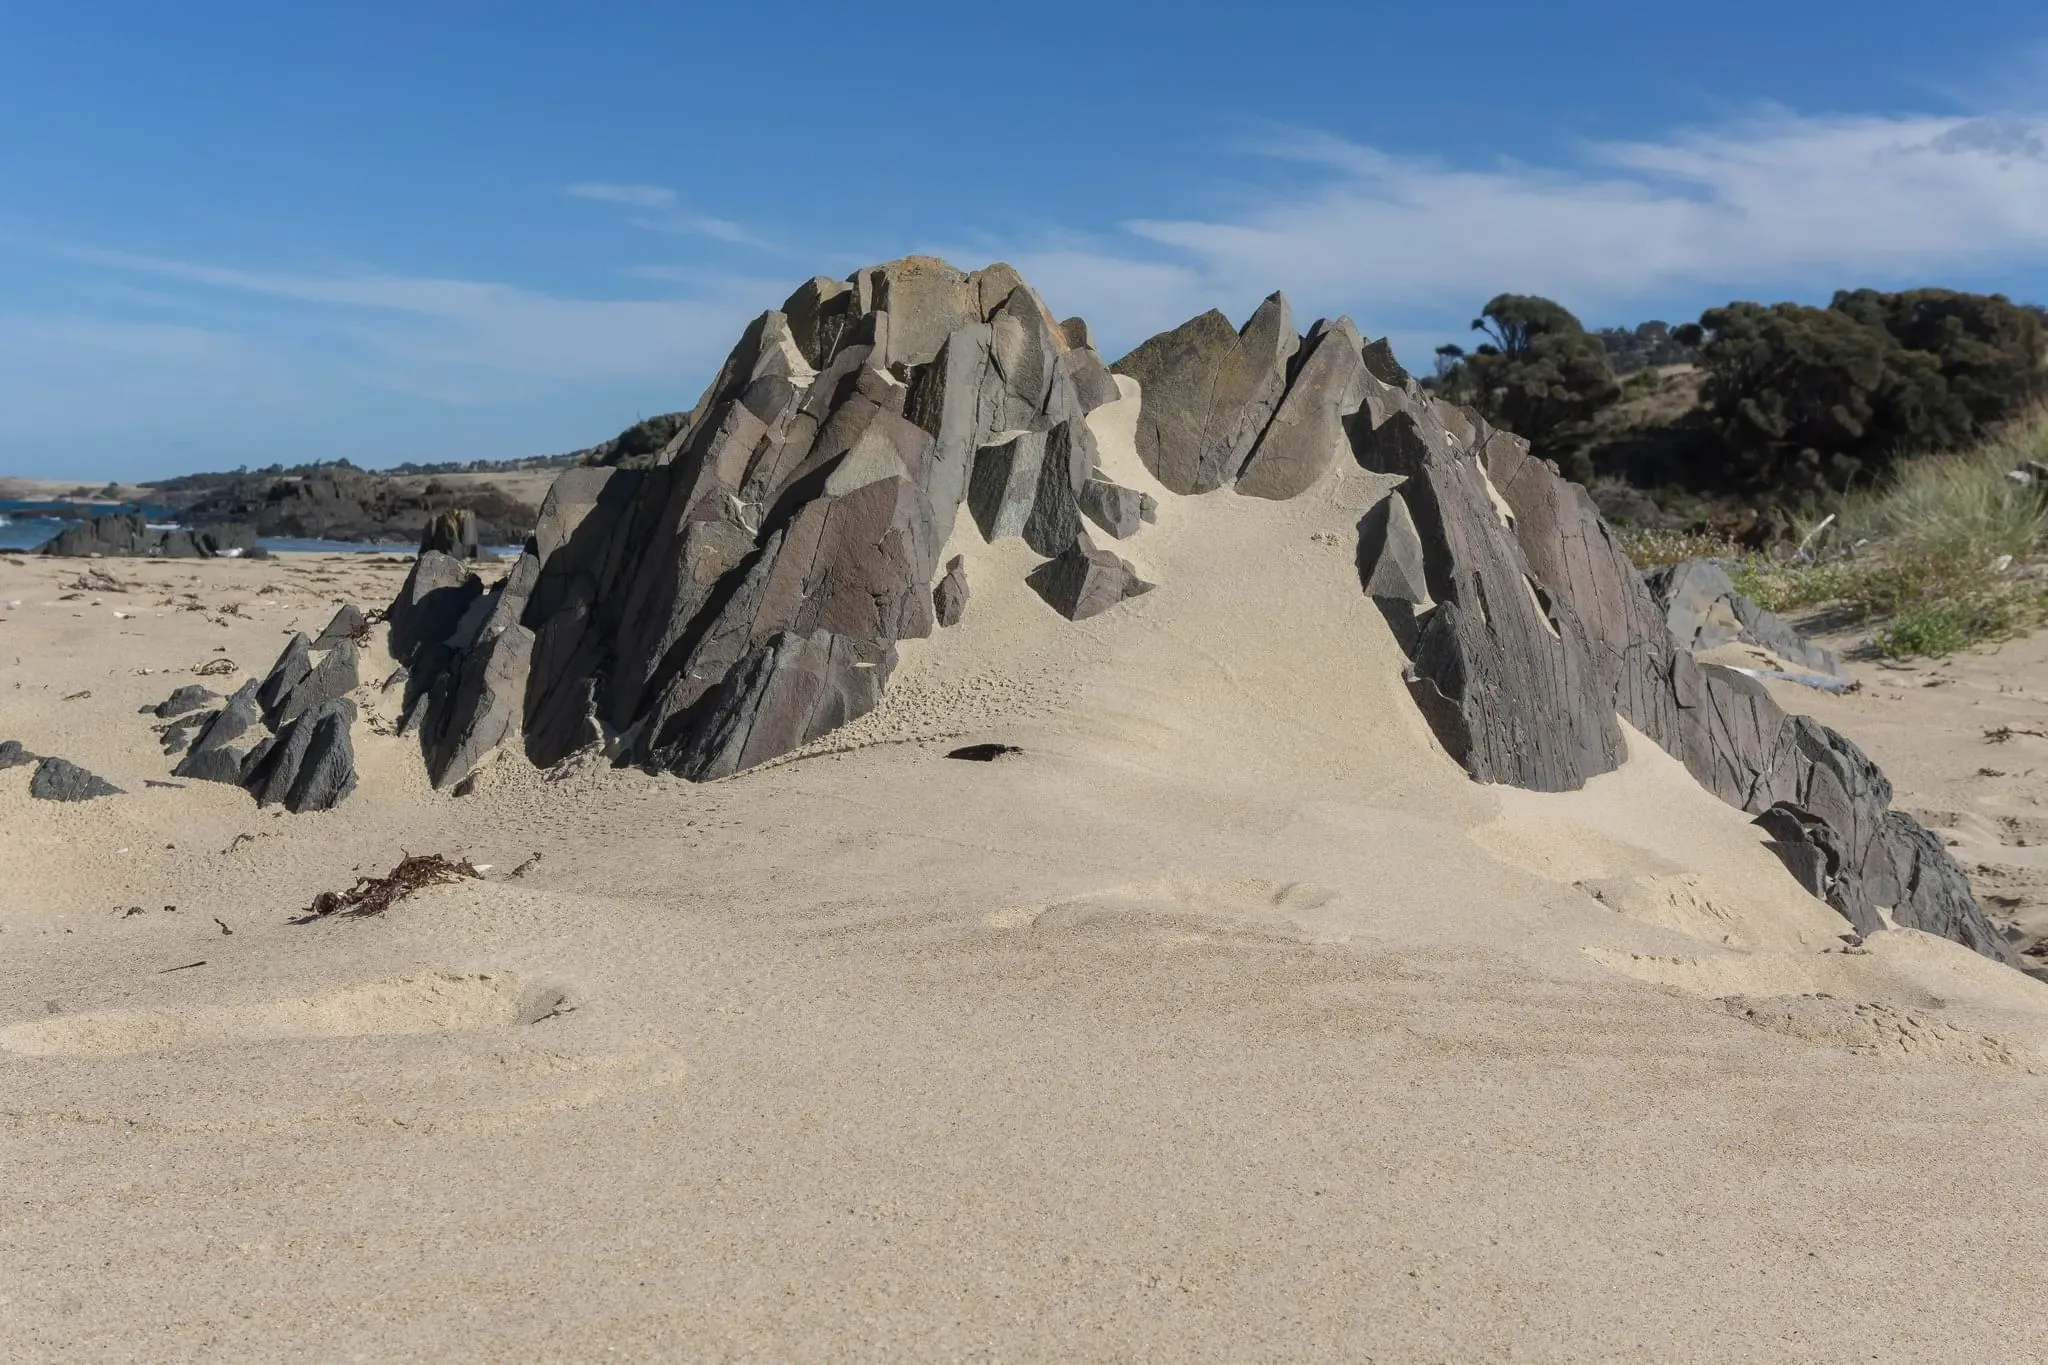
pixel 239 233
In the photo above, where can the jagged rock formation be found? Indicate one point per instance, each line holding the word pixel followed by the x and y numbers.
pixel 745 592
pixel 1703 611
pixel 1210 392
pixel 128 535
pixel 286 738
pixel 1507 542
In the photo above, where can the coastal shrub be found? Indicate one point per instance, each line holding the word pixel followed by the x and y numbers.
pixel 1933 558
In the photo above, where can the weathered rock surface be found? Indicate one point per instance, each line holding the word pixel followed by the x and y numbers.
pixel 1543 632
pixel 13 755
pixel 347 623
pixel 291 668
pixel 437 593
pixel 949 596
pixel 310 766
pixel 190 697
pixel 1307 432
pixel 1086 581
pixel 1117 510
pixel 1390 556
pixel 334 676
pixel 128 535
pixel 748 587
pixel 1209 392
pixel 1502 667
pixel 58 779
pixel 213 756
pixel 1704 610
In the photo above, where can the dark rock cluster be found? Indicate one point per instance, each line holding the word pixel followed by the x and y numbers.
pixel 285 738
pixel 338 502
pixel 128 535
pixel 1538 633
pixel 744 593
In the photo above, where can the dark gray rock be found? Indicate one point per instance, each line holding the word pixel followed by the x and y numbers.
pixel 1390 559
pixel 1812 852
pixel 348 623
pixel 57 779
pixel 484 708
pixel 1004 488
pixel 1208 392
pixel 1501 667
pixel 12 755
pixel 1736 741
pixel 213 756
pixel 787 692
pixel 949 597
pixel 1703 610
pixel 1381 364
pixel 1307 432
pixel 1085 581
pixel 292 668
pixel 177 736
pixel 1056 507
pixel 116 534
pixel 1119 511
pixel 1934 896
pixel 311 764
pixel 751 583
pixel 128 535
pixel 190 697
pixel 222 763
pixel 334 676
pixel 436 595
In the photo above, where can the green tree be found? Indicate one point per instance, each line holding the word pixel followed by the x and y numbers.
pixel 1541 375
pixel 1805 399
pixel 1989 349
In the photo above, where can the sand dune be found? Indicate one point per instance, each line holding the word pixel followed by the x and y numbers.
pixel 1227 1020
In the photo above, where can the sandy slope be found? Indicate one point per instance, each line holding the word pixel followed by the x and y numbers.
pixel 1227 1021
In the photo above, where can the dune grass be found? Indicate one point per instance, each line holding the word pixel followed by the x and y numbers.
pixel 1930 559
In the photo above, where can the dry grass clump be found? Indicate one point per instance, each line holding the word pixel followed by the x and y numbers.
pixel 1935 558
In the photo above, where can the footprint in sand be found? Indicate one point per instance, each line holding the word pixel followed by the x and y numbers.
pixel 431 1003
pixel 436 1051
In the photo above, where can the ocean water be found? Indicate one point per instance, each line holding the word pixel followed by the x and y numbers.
pixel 27 525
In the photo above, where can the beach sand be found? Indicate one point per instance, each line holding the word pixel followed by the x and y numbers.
pixel 1226 1021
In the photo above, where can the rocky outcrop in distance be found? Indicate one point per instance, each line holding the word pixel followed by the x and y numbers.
pixel 127 535
pixel 745 592
pixel 339 502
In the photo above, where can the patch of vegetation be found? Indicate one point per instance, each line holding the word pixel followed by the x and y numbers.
pixel 1540 375
pixel 1934 557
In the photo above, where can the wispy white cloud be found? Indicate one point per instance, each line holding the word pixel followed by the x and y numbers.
pixel 1771 205
pixel 633 196
pixel 1777 202
pixel 662 210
